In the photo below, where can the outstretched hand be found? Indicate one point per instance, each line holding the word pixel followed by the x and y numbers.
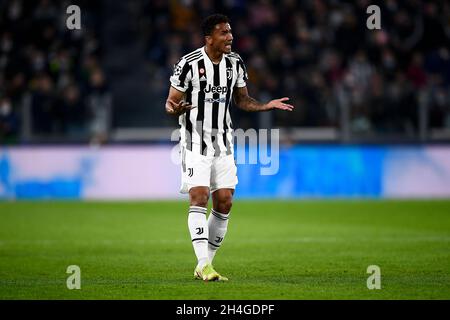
pixel 279 104
pixel 178 108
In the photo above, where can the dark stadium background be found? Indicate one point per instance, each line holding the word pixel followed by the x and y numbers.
pixel 82 118
pixel 348 83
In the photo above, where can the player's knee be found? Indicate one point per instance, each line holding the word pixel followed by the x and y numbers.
pixel 224 204
pixel 225 207
pixel 199 199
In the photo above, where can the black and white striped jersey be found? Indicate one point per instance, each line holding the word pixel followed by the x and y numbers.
pixel 207 129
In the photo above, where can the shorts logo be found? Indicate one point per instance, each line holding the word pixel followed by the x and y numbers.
pixel 190 172
pixel 218 239
pixel 216 89
pixel 199 230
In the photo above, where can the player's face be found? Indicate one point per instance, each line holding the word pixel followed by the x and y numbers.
pixel 221 39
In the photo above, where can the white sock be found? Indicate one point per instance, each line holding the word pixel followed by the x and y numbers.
pixel 217 225
pixel 198 228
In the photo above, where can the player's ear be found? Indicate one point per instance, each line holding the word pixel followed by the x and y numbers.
pixel 208 39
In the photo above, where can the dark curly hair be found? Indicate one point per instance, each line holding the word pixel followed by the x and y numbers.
pixel 211 21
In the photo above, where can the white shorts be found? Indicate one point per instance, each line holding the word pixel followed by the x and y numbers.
pixel 207 171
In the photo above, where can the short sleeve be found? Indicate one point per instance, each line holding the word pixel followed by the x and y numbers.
pixel 181 75
pixel 242 74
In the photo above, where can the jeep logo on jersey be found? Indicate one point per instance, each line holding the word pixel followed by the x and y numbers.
pixel 216 89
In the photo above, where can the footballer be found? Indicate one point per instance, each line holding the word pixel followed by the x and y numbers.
pixel 202 86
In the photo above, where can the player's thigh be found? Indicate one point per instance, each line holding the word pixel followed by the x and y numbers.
pixel 195 170
pixel 223 173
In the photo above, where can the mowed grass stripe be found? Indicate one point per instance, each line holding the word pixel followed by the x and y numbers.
pixel 273 250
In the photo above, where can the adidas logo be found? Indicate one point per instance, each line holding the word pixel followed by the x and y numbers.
pixel 203 78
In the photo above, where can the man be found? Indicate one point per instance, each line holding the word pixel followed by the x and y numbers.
pixel 201 86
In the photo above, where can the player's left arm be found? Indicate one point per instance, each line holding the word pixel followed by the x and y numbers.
pixel 247 103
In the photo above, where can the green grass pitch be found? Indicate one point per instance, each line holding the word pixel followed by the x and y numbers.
pixel 273 250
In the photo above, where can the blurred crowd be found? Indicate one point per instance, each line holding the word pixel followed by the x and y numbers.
pixel 322 55
pixel 51 80
pixel 319 53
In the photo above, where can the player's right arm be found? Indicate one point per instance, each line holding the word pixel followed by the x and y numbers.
pixel 179 82
pixel 175 105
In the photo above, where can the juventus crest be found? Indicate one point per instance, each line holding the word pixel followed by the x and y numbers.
pixel 229 73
